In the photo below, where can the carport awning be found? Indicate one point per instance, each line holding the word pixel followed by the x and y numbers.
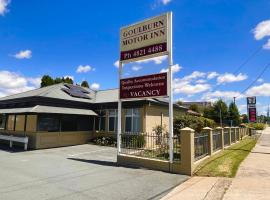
pixel 48 109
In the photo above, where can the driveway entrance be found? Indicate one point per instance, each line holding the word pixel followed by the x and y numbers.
pixel 78 172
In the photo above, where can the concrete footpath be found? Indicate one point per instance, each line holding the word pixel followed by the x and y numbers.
pixel 251 182
pixel 253 177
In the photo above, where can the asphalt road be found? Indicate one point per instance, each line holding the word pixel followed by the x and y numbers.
pixel 78 172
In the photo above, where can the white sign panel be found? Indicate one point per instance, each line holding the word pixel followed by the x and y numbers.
pixel 145 39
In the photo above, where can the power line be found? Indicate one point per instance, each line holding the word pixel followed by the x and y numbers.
pixel 243 63
pixel 258 77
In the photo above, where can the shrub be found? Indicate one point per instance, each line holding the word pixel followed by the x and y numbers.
pixel 194 122
pixel 257 126
pixel 138 141
pixel 105 141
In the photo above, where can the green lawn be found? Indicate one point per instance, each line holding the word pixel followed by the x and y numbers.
pixel 226 163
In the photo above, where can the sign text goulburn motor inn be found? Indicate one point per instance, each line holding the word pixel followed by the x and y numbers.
pixel 144 39
pixel 144 86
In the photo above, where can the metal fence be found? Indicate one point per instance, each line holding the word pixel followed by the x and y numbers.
pixel 150 145
pixel 232 135
pixel 226 137
pixel 201 145
pixel 217 140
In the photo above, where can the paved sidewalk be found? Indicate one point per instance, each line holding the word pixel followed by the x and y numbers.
pixel 253 178
pixel 198 188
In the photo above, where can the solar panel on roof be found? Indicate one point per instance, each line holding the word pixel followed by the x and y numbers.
pixel 77 88
pixel 75 92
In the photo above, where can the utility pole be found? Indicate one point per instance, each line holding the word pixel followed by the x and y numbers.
pixel 234 100
pixel 220 116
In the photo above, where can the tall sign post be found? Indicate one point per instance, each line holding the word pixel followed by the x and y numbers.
pixel 251 109
pixel 143 40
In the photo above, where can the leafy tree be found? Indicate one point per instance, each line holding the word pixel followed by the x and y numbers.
pixel 46 80
pixel 194 107
pixel 244 118
pixel 67 80
pixel 180 103
pixel 217 112
pixel 233 114
pixel 85 84
pixel 58 80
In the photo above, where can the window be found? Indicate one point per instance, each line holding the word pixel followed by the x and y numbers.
pixel 20 122
pixel 113 120
pixel 68 123
pixel 49 123
pixel 100 120
pixel 133 120
pixel 85 123
pixel 3 119
pixel 11 122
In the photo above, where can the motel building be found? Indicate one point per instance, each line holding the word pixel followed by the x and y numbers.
pixel 64 114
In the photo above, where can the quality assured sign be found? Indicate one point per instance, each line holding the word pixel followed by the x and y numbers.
pixel 145 39
pixel 154 85
pixel 252 111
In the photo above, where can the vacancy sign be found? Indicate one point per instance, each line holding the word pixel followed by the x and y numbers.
pixel 145 39
pixel 154 85
pixel 252 111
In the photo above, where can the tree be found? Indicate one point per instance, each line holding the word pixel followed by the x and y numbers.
pixel 194 107
pixel 67 80
pixel 180 103
pixel 233 114
pixel 46 80
pixel 219 112
pixel 244 118
pixel 85 84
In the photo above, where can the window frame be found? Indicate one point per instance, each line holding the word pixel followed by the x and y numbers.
pixel 133 115
pixel 115 116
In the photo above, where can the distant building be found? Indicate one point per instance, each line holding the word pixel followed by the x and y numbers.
pixel 199 103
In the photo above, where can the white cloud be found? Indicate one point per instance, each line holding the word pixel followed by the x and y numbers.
pixel 175 68
pixel 201 81
pixel 267 45
pixel 35 81
pixel 229 78
pixel 165 2
pixel 260 80
pixel 183 88
pixel 83 69
pixel 262 30
pixel 24 54
pixel 95 86
pixel 156 60
pixel 12 83
pixel 3 6
pixel 116 64
pixel 136 67
pixel 260 90
pixel 212 75
pixel 226 95
pixel 194 75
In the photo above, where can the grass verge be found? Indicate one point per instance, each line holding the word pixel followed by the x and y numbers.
pixel 226 163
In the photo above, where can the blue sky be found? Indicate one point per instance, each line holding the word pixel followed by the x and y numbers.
pixel 211 39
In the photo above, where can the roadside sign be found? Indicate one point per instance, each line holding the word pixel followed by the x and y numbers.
pixel 145 39
pixel 149 86
pixel 251 107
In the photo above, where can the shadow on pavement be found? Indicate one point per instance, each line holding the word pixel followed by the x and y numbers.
pixel 103 163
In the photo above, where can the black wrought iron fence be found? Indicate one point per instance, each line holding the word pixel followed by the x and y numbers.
pixel 217 140
pixel 232 135
pixel 226 137
pixel 150 145
pixel 201 145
